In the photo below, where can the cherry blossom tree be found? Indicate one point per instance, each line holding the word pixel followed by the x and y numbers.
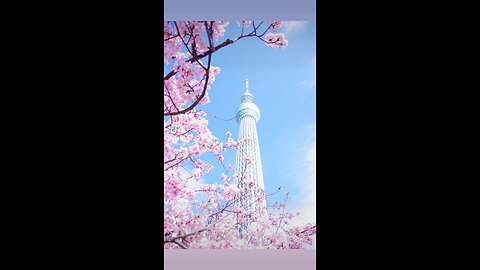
pixel 206 216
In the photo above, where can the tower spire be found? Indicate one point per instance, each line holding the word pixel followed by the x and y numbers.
pixel 248 162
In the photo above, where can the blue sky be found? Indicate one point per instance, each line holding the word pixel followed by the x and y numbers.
pixel 282 82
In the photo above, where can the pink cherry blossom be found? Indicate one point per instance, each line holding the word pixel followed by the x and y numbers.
pixel 195 149
pixel 201 215
pixel 208 167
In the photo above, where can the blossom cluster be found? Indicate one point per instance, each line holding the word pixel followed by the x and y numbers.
pixel 276 40
pixel 206 215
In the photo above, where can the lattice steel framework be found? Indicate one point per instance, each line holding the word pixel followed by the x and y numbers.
pixel 253 197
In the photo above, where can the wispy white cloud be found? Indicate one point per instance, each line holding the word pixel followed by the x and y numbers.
pixel 305 170
pixel 290 27
pixel 312 82
pixel 307 182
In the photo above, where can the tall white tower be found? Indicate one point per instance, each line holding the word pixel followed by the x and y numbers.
pixel 253 197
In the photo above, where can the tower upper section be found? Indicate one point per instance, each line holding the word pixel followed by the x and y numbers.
pixel 247 107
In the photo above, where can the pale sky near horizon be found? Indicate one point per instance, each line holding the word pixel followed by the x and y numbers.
pixel 282 82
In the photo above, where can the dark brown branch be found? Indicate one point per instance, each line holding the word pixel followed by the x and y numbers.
pixel 172 239
pixel 223 44
pixel 185 132
pixel 266 30
pixel 183 41
pixel 207 75
pixel 210 35
pixel 201 56
pixel 176 163
pixel 283 212
pixel 170 160
pixel 306 230
pixel 172 37
pixel 176 241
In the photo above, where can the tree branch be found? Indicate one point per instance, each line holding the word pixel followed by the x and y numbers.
pixel 180 244
pixel 172 239
pixel 201 56
pixel 207 75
